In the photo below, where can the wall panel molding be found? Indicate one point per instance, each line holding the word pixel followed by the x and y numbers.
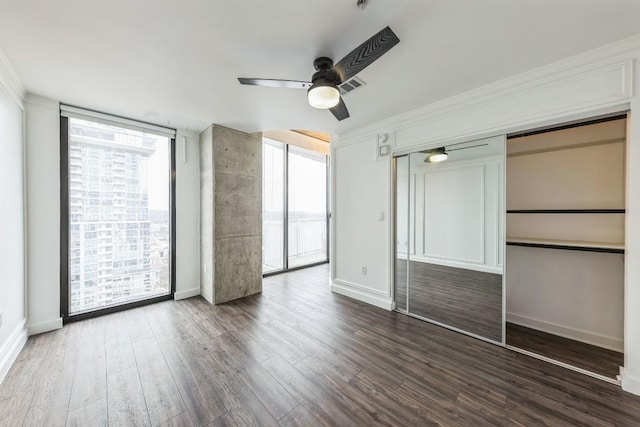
pixel 480 189
pixel 613 61
pixel 46 326
pixel 361 293
pixel 10 80
pixel 611 343
pixel 11 348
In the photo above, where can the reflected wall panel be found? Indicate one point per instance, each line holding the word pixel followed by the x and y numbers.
pixel 402 231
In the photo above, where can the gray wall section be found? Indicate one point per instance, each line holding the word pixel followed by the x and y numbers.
pixel 231 214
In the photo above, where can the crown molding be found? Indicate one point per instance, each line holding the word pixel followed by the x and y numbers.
pixel 607 55
pixel 187 133
pixel 41 101
pixel 10 80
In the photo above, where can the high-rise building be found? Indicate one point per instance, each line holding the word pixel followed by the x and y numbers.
pixel 110 242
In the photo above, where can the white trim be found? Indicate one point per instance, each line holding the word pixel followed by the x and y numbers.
pixel 47 326
pixel 186 294
pixel 361 287
pixel 41 101
pixel 10 80
pixel 610 343
pixel 332 207
pixel 564 365
pixel 611 55
pixel 361 293
pixel 11 348
pixel 455 263
pixel 83 114
pixel 629 383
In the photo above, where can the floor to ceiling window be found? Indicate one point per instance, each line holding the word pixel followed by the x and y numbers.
pixel 117 204
pixel 273 215
pixel 295 208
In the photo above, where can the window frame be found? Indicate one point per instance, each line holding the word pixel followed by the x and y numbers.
pixel 285 247
pixel 65 226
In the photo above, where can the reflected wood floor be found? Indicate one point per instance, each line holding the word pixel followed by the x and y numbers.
pixel 586 356
pixel 295 355
pixel 465 299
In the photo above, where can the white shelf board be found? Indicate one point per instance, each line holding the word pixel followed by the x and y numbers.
pixel 572 243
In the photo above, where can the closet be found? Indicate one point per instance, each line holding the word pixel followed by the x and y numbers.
pixel 564 266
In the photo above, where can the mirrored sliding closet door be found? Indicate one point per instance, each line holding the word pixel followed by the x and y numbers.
pixel 450 236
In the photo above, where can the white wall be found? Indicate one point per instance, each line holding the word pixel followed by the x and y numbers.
pixel 12 227
pixel 43 191
pixel 43 213
pixel 578 295
pixel 187 218
pixel 362 193
pixel 593 83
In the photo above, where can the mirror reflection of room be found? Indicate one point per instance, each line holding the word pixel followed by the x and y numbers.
pixel 449 215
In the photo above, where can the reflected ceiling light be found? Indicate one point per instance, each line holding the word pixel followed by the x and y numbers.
pixel 323 94
pixel 437 155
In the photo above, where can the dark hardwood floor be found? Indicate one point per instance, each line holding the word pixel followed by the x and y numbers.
pixel 464 299
pixel 586 356
pixel 296 355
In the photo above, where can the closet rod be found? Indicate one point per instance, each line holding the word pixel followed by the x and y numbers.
pixel 567 247
pixel 566 211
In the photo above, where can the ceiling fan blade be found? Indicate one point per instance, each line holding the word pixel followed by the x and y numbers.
pixel 340 111
pixel 365 54
pixel 289 84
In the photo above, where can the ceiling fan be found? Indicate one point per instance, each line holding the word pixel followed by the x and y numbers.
pixel 322 90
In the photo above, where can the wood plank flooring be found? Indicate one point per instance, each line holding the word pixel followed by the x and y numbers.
pixel 464 299
pixel 595 359
pixel 296 355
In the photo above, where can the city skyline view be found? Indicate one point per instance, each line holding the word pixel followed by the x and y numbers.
pixel 119 223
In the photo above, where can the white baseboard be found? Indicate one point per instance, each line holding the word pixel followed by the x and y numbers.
pixel 610 343
pixel 360 293
pixel 42 327
pixel 10 350
pixel 629 383
pixel 186 294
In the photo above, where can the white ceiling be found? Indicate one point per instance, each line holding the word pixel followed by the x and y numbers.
pixel 176 61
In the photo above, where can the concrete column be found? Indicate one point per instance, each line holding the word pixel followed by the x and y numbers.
pixel 230 214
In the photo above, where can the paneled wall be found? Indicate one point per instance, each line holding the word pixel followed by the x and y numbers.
pixel 455 213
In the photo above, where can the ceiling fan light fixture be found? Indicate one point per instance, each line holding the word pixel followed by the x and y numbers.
pixel 323 94
pixel 436 156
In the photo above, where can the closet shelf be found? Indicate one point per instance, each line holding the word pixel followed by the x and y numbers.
pixel 571 245
pixel 566 211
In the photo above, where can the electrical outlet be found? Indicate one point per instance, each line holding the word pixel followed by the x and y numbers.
pixel 364 270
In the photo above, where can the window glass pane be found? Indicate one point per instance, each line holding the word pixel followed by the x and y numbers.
pixel 273 206
pixel 119 222
pixel 307 207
